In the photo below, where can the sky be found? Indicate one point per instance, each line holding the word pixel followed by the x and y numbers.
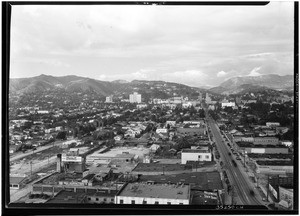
pixel 193 45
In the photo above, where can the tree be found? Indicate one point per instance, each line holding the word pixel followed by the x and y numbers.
pixel 62 135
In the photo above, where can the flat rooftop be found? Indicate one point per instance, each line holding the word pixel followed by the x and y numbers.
pixel 156 167
pixel 195 151
pixel 199 180
pixel 68 197
pixel 156 191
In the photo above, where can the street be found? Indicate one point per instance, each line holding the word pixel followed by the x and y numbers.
pixel 237 178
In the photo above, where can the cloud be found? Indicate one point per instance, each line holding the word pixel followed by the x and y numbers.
pixel 187 77
pixel 221 74
pixel 255 72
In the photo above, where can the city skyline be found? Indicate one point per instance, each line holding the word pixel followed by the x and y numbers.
pixel 203 46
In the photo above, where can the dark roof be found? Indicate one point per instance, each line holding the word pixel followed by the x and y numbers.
pixel 150 167
pixel 201 180
pixel 102 193
pixel 68 197
pixel 16 180
pixel 89 176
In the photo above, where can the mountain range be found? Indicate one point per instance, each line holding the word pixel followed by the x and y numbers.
pixel 147 88
pixel 249 83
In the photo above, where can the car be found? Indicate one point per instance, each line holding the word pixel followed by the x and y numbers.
pixel 238 158
pixel 229 153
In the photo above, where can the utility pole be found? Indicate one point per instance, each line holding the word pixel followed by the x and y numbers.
pixel 268 189
pixel 232 195
pixel 245 158
pixel 30 167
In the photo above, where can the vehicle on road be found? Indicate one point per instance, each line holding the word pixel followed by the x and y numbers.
pixel 251 192
pixel 229 153
pixel 238 158
pixel 234 163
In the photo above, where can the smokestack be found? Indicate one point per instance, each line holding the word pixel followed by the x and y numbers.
pixel 58 163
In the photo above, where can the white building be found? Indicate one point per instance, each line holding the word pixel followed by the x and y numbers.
pixel 171 123
pixel 187 105
pixel 272 124
pixel 286 197
pixel 109 99
pixel 159 194
pixel 161 130
pixel 43 112
pixel 135 98
pixel 228 104
pixel 58 128
pixel 195 155
pixel 207 98
pixel 141 106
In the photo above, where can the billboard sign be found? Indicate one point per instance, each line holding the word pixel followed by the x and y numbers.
pixel 67 158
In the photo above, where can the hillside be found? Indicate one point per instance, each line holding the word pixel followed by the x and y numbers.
pixel 149 89
pixel 270 81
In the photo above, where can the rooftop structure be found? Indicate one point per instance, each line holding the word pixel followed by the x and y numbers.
pixel 143 193
pixel 135 98
pixel 204 181
pixel 68 197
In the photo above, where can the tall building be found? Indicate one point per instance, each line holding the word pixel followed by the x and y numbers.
pixel 200 96
pixel 207 98
pixel 135 98
pixel 109 99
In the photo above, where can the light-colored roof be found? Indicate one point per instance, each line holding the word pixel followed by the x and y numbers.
pixel 156 191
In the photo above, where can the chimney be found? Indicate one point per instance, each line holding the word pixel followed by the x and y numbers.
pixel 58 163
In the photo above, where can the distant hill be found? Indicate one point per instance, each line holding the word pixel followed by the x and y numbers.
pixel 149 89
pixel 270 81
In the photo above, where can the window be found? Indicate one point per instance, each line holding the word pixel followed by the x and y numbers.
pixel 89 198
pixel 199 156
pixel 180 203
pixel 121 201
pixel 132 201
pixel 104 199
pixel 97 199
pixel 112 200
pixel 206 156
pixel 156 203
pixel 169 203
pixel 144 202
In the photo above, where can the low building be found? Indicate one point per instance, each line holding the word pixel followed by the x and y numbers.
pixel 16 182
pixel 272 124
pixel 101 197
pixel 125 157
pixel 159 194
pixel 195 155
pixel 274 167
pixel 228 104
pixel 141 106
pixel 286 197
pixel 192 131
pixel 68 197
pixel 161 130
pixel 266 141
pixel 109 99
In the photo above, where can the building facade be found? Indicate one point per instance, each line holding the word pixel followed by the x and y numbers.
pixel 149 193
pixel 195 155
pixel 135 98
